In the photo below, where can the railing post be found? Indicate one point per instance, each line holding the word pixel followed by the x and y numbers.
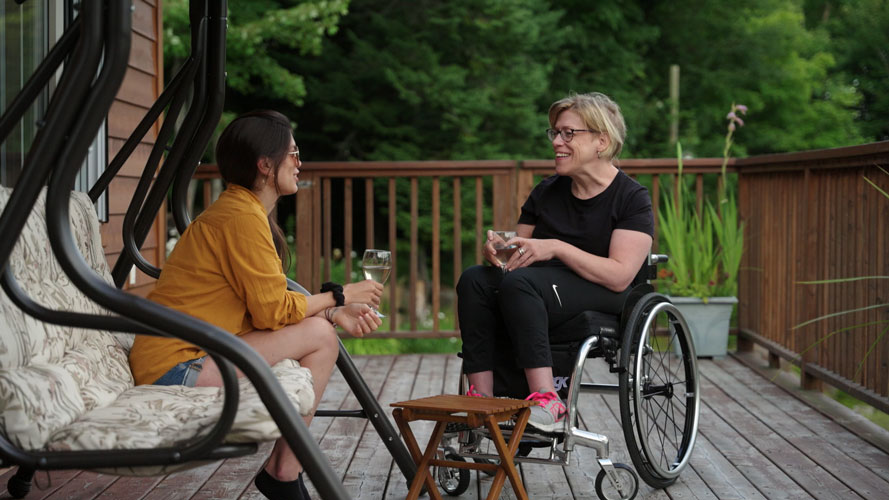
pixel 524 185
pixel 304 231
pixel 505 214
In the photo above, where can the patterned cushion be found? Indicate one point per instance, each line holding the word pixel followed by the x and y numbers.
pixel 152 416
pixel 65 388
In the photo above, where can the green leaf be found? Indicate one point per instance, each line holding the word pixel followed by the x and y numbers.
pixel 840 313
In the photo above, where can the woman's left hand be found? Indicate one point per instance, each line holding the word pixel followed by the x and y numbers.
pixel 357 319
pixel 530 251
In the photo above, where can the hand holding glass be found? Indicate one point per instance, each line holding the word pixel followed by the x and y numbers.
pixel 376 265
pixel 504 251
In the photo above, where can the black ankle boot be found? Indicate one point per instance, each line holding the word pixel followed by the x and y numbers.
pixel 302 486
pixel 280 490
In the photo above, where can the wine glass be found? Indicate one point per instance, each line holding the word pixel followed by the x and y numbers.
pixel 376 265
pixel 504 251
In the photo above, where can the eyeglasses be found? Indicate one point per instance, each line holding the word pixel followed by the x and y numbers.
pixel 294 154
pixel 567 134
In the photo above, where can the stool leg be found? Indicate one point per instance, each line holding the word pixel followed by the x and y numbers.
pixel 507 464
pixel 422 475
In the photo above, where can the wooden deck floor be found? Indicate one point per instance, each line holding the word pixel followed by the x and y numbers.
pixel 756 441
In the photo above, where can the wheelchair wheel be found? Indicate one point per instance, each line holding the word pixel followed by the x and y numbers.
pixel 452 480
pixel 606 491
pixel 659 393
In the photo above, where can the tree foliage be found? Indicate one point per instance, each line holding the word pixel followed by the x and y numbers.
pixel 461 79
pixel 261 35
pixel 433 79
pixel 859 34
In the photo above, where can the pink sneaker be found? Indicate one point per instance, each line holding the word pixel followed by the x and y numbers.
pixel 549 414
pixel 472 392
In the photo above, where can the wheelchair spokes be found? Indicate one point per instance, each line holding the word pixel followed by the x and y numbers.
pixel 659 394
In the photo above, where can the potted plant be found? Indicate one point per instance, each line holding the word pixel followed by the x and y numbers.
pixel 705 249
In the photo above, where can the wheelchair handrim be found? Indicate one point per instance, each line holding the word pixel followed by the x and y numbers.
pixel 689 366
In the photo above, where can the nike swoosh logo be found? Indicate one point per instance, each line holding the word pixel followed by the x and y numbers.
pixel 556 291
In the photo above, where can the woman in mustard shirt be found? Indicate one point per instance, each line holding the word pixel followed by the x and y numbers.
pixel 227 270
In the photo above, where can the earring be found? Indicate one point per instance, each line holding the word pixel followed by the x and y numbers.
pixel 598 154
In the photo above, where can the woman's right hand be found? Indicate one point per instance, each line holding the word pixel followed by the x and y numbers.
pixel 364 292
pixel 356 319
pixel 488 250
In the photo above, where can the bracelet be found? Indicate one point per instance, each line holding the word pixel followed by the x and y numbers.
pixel 328 315
pixel 337 290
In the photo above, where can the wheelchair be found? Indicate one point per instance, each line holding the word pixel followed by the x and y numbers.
pixel 650 348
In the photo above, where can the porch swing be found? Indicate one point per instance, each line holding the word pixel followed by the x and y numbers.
pixel 67 399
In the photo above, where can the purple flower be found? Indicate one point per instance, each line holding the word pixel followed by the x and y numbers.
pixel 742 109
pixel 733 118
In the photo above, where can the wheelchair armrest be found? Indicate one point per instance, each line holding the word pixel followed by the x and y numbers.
pixel 659 258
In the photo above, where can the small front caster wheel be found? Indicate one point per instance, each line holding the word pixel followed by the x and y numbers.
pixel 452 480
pixel 629 484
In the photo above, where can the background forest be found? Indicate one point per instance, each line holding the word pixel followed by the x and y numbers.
pixel 460 79
pixel 468 80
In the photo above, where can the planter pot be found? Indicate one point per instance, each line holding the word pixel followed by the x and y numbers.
pixel 708 322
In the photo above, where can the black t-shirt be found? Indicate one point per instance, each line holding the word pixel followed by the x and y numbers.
pixel 587 224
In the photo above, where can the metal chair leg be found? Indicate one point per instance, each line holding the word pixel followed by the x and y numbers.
pixel 376 415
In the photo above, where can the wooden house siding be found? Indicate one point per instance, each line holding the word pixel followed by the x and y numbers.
pixel 141 86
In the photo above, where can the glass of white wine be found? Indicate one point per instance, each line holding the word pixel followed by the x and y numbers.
pixel 504 251
pixel 376 265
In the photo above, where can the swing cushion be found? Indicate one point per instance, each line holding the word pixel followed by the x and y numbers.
pixel 65 388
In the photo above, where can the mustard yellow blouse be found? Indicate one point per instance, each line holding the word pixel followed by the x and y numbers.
pixel 225 271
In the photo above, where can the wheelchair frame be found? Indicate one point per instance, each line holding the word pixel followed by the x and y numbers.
pixel 659 443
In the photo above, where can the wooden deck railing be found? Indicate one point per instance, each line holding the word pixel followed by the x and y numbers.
pixel 809 216
pixel 812 216
pixel 344 207
pixel 491 191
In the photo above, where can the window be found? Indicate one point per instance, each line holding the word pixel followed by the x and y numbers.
pixel 27 33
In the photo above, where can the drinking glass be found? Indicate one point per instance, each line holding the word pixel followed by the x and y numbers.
pixel 376 265
pixel 504 251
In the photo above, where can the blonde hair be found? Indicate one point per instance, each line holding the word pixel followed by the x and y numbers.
pixel 598 112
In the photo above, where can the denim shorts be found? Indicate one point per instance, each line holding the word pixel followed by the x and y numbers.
pixel 185 373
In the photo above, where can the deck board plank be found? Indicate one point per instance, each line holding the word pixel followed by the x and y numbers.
pixel 129 487
pixel 857 449
pixel 337 396
pixel 339 440
pixel 371 462
pixel 711 475
pixel 45 484
pixel 755 441
pixel 182 484
pixel 84 485
pixel 818 448
pixel 233 476
pixel 602 414
pixel 809 476
pixel 373 467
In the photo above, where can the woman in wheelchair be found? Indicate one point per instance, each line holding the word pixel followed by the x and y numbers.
pixel 582 236
pixel 227 270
